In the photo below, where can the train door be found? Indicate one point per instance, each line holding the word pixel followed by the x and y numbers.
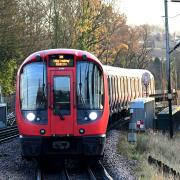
pixel 61 111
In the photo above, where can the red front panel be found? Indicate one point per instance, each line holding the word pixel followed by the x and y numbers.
pixel 62 106
pixel 61 110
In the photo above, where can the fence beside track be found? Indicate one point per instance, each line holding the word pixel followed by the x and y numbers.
pixel 159 97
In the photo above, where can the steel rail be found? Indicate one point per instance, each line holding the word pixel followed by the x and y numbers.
pixel 39 175
pixel 66 174
pixel 97 172
pixel 104 173
pixel 91 174
pixel 62 174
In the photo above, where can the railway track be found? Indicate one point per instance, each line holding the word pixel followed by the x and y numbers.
pixel 97 172
pixel 121 123
pixel 62 174
pixel 8 133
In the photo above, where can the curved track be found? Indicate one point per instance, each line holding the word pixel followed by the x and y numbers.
pixel 99 172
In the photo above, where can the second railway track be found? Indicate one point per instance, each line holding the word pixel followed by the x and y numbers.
pixel 8 133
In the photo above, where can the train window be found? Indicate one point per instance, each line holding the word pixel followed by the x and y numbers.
pixel 132 88
pixel 109 86
pixel 138 88
pixel 113 91
pixel 125 89
pixel 90 86
pixel 62 95
pixel 116 86
pixel 152 86
pixel 129 87
pixel 33 93
pixel 112 87
pixel 119 89
pixel 135 87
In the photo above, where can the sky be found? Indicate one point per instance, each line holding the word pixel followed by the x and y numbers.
pixel 150 12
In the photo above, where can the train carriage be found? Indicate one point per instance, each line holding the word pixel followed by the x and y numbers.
pixel 64 100
pixel 131 85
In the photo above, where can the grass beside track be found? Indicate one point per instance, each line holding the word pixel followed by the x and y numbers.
pixel 157 145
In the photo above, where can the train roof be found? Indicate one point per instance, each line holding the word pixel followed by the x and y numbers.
pixel 78 53
pixel 115 71
pixel 109 70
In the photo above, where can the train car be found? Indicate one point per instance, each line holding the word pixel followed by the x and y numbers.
pixel 64 98
pixel 127 85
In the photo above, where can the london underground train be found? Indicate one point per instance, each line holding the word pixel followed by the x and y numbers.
pixel 64 98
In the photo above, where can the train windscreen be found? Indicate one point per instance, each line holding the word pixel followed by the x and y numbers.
pixel 33 91
pixel 90 86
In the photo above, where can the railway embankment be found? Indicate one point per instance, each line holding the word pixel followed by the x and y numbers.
pixel 119 166
pixel 164 152
pixel 122 159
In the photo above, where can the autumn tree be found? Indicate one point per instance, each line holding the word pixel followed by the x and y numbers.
pixel 32 21
pixel 138 53
pixel 113 35
pixel 84 24
pixel 27 26
pixel 61 22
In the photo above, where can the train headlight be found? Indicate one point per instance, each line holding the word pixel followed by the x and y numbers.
pixel 92 116
pixel 30 116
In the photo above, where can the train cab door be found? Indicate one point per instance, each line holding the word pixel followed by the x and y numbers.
pixel 61 102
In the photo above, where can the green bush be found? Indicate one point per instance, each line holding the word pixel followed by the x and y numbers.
pixel 8 76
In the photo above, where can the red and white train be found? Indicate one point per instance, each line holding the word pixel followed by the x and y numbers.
pixel 64 98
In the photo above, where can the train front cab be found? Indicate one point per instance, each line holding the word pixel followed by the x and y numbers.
pixel 60 110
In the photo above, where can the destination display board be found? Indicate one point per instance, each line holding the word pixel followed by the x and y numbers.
pixel 61 60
